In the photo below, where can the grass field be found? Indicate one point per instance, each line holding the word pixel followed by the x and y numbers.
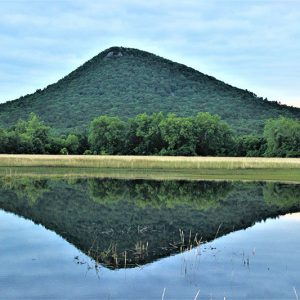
pixel 152 167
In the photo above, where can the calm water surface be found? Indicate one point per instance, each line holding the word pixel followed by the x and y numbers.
pixel 118 239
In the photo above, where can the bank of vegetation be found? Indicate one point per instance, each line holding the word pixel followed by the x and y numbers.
pixel 154 135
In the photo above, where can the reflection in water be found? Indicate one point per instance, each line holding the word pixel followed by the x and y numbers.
pixel 128 223
pixel 38 264
pixel 295 216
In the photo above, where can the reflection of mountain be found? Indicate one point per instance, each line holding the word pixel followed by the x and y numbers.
pixel 143 220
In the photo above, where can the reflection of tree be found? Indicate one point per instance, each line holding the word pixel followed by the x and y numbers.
pixel 281 194
pixel 200 195
pixel 25 187
pixel 124 222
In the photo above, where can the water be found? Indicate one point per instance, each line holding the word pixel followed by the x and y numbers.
pixel 121 239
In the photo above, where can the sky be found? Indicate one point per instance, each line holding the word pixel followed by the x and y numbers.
pixel 251 44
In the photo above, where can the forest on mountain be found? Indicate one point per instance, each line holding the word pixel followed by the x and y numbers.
pixel 201 135
pixel 124 82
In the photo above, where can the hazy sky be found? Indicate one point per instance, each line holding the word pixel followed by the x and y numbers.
pixel 250 44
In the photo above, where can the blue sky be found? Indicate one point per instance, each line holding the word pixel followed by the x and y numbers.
pixel 251 44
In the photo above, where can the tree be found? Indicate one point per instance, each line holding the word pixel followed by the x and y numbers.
pixel 107 135
pixel 144 134
pixel 55 144
pixel 213 136
pixel 178 135
pixel 3 141
pixel 72 143
pixel 250 145
pixel 29 136
pixel 283 137
pixel 83 143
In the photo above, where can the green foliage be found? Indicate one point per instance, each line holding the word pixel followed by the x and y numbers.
pixel 250 145
pixel 139 82
pixel 283 137
pixel 26 187
pixel 3 141
pixel 36 129
pixel 87 152
pixel 34 137
pixel 83 143
pixel 106 135
pixel 56 144
pixel 178 135
pixel 64 151
pixel 144 134
pixel 72 143
pixel 214 137
pixel 30 136
pixel 200 195
pixel 201 135
pixel 280 194
pixel 147 135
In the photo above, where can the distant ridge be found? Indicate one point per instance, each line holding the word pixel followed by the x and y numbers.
pixel 125 82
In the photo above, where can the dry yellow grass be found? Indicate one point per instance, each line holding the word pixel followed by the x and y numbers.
pixel 147 162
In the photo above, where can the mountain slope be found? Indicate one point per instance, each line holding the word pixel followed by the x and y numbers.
pixel 125 82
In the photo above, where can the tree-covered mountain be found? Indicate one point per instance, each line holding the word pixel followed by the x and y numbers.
pixel 125 82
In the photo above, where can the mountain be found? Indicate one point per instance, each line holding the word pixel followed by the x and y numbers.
pixel 125 82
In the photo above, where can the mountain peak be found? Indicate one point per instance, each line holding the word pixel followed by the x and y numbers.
pixel 125 82
pixel 114 52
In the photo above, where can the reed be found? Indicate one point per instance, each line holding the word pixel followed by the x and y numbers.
pixel 151 167
pixel 147 162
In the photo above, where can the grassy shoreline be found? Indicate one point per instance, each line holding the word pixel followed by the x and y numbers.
pixel 147 162
pixel 152 167
pixel 273 175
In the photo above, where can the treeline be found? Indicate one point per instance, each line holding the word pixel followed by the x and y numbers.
pixel 156 134
pixel 34 137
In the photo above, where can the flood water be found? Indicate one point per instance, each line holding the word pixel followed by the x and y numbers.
pixel 142 239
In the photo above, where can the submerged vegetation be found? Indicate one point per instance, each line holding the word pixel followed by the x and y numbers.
pixel 156 134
